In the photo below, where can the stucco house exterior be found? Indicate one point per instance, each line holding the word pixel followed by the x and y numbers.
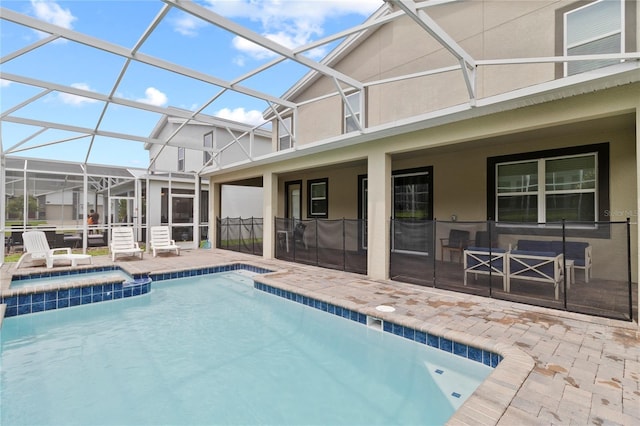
pixel 174 168
pixel 463 112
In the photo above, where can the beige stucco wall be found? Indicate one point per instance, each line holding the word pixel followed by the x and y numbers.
pixel 460 182
pixel 484 29
pixel 458 154
pixel 342 190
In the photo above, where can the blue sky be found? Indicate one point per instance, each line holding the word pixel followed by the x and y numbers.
pixel 179 38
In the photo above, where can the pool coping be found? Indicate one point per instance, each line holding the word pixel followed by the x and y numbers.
pixel 488 403
pixel 485 406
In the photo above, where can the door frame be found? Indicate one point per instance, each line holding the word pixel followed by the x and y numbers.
pixel 287 213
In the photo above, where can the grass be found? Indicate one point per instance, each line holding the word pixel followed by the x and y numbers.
pixel 98 251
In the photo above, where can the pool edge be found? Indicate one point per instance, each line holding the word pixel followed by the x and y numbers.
pixel 490 401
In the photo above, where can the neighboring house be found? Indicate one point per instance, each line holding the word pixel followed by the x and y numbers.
pixel 450 122
pixel 183 156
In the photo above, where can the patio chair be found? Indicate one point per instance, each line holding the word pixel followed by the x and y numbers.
pixel 161 240
pixel 298 234
pixel 122 242
pixel 36 247
pixel 15 242
pixel 457 242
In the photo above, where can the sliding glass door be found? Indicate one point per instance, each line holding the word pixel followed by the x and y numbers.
pixel 412 211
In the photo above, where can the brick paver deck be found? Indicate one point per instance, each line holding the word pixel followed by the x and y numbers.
pixel 559 368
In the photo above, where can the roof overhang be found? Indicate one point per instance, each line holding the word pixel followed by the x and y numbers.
pixel 580 84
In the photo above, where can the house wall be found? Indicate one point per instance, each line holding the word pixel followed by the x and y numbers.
pixel 343 184
pixel 189 135
pixel 484 29
pixel 458 153
pixel 241 201
pixel 193 135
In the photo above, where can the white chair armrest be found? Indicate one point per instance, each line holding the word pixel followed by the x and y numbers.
pixel 66 250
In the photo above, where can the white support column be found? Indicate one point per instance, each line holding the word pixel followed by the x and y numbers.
pixel 137 203
pixel 3 198
pixel 269 211
pixel 25 197
pixel 215 195
pixel 85 224
pixel 379 212
pixel 196 213
pixel 147 212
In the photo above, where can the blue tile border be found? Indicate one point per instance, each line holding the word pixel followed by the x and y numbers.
pixel 465 351
pixel 313 303
pixel 49 274
pixel 208 270
pixel 64 298
pixel 47 299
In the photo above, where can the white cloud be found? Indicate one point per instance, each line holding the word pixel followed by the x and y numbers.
pixel 187 25
pixel 239 60
pixel 154 97
pixel 76 100
pixel 51 12
pixel 290 23
pixel 240 115
pixel 4 83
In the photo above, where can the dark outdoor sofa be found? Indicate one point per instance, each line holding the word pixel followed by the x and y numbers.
pixel 577 251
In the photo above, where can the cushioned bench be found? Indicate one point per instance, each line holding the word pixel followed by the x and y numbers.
pixel 577 251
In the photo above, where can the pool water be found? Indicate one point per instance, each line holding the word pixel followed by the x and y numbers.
pixel 116 274
pixel 214 350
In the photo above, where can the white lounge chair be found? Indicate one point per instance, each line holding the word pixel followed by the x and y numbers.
pixel 161 240
pixel 122 242
pixel 36 247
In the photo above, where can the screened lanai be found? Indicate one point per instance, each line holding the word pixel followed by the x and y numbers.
pixel 53 154
pixel 58 197
pixel 155 76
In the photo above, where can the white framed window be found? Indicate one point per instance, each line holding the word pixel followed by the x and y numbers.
pixel 207 144
pixel 351 120
pixel 596 28
pixel 284 133
pixel 318 198
pixel 548 189
pixel 180 159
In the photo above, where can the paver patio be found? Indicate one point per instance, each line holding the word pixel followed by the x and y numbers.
pixel 559 367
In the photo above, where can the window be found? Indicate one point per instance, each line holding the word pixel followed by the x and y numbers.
pixel 411 194
pixel 549 186
pixel 595 28
pixel 352 113
pixel 318 198
pixel 180 159
pixel 284 134
pixel 207 144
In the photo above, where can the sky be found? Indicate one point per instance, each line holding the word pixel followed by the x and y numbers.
pixel 180 38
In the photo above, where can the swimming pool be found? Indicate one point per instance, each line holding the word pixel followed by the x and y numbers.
pixel 214 349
